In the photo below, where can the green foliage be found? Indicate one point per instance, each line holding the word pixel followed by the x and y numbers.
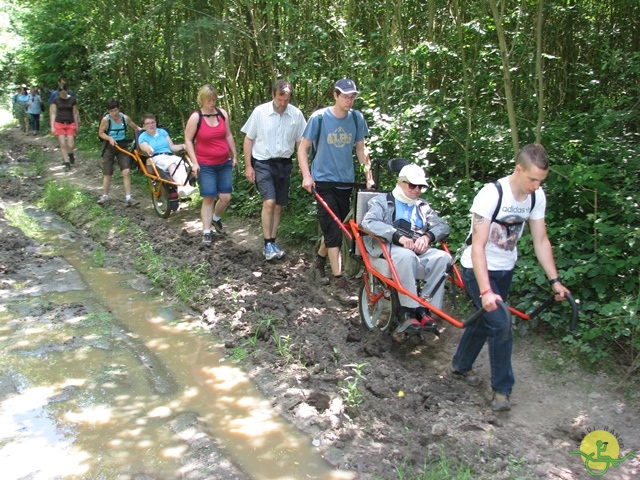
pixel 351 389
pixel 238 354
pixel 188 280
pixel 434 95
pixel 100 323
pixel 97 257
pixel 22 220
pixel 443 468
pixel 150 263
pixel 283 344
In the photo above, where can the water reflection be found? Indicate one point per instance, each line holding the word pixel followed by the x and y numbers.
pixel 137 389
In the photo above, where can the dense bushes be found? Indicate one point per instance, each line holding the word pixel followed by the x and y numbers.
pixel 432 90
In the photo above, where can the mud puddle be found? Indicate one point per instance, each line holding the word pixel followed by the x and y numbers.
pixel 100 378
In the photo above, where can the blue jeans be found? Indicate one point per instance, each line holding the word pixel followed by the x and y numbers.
pixel 489 327
pixel 35 122
pixel 216 179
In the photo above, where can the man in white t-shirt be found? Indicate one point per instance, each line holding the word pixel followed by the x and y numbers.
pixel 489 260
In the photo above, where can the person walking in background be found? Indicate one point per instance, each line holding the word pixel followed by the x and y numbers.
pixel 334 131
pixel 271 134
pixel 212 150
pixel 64 119
pixel 14 106
pixel 112 131
pixel 62 80
pixel 488 263
pixel 20 108
pixel 34 109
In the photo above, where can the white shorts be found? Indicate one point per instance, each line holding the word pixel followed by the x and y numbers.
pixel 164 161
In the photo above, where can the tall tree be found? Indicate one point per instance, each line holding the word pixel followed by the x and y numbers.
pixel 506 75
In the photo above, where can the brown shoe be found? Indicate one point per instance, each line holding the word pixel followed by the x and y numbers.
pixel 500 402
pixel 318 270
pixel 343 292
pixel 470 377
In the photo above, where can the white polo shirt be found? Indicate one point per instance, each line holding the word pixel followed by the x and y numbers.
pixel 274 135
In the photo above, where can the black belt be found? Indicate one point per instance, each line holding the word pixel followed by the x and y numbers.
pixel 334 185
pixel 161 153
pixel 274 159
pixel 67 123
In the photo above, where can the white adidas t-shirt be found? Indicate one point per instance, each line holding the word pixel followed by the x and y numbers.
pixel 501 249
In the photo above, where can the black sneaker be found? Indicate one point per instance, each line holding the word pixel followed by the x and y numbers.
pixel 217 224
pixel 207 238
pixel 67 166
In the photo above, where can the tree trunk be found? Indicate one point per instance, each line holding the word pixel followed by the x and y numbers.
pixel 466 86
pixel 506 76
pixel 539 71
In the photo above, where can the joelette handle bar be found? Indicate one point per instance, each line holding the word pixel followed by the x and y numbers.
pixel 344 228
pixel 550 300
pixel 574 313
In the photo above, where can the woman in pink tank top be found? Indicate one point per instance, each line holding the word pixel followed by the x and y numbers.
pixel 212 150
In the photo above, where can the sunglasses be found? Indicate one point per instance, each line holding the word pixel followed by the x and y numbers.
pixel 413 187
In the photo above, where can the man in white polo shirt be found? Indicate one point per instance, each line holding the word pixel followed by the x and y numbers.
pixel 272 133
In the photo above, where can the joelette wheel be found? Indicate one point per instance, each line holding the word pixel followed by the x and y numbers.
pixel 161 203
pixel 380 311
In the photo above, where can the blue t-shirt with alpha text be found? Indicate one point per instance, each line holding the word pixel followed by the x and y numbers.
pixel 334 139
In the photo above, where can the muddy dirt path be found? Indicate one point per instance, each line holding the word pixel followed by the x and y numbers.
pixel 303 349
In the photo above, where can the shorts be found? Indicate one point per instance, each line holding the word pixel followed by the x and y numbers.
pixel 21 113
pixel 273 179
pixel 215 179
pixel 165 160
pixel 109 154
pixel 339 200
pixel 68 129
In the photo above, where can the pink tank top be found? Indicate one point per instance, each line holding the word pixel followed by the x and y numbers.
pixel 212 147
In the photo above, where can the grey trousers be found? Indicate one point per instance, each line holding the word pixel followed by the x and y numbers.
pixel 429 266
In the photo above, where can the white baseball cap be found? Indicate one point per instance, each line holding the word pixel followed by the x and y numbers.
pixel 413 174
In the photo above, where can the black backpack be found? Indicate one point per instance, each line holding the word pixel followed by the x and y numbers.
pixel 498 186
pixel 109 128
pixel 201 115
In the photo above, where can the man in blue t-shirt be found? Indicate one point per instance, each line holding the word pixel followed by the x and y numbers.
pixel 333 132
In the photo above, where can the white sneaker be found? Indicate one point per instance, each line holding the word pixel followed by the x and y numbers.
pixel 186 191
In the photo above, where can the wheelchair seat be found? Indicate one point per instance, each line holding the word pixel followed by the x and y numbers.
pixel 362 206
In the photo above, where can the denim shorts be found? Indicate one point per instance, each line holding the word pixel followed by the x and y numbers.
pixel 215 179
